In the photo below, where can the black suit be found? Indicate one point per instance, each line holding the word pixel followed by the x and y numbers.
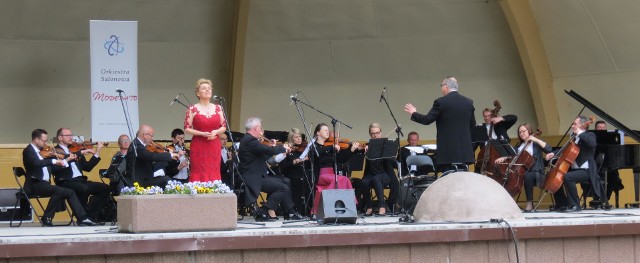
pixel 145 165
pixel 254 171
pixel 35 183
pixel 587 143
pixel 83 187
pixel 454 117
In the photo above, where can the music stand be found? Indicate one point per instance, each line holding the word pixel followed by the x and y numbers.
pixel 381 148
pixel 114 173
pixel 502 147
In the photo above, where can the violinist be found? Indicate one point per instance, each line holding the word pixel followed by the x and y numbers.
pixel 324 163
pixel 253 168
pixel 297 171
pixel 70 176
pixel 535 175
pixel 377 174
pixel 141 162
pixel 178 169
pixel 582 170
pixel 38 177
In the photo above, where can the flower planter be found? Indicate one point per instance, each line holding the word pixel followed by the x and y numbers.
pixel 176 212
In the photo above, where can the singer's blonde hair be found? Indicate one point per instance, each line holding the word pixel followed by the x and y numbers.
pixel 203 81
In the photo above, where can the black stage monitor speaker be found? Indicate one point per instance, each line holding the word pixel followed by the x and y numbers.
pixel 337 206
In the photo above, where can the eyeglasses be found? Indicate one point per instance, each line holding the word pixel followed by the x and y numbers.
pixel 150 135
pixel 123 141
pixel 375 133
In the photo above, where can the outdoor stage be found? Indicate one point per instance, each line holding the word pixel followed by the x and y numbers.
pixel 586 236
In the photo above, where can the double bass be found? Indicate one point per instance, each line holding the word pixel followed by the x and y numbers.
pixel 513 172
pixel 567 155
pixel 488 153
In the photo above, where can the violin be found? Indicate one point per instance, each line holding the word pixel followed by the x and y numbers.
pixel 343 143
pixel 48 152
pixel 156 148
pixel 172 148
pixel 266 141
pixel 300 147
pixel 80 146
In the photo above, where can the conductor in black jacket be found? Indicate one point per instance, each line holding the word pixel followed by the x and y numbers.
pixel 37 181
pixel 583 169
pixel 253 168
pixel 454 118
pixel 72 177
pixel 142 163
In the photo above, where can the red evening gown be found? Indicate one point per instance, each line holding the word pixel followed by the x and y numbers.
pixel 205 154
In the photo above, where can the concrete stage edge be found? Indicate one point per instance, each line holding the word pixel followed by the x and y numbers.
pixel 593 235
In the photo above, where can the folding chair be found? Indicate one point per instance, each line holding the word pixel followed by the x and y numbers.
pixel 23 195
pixel 415 183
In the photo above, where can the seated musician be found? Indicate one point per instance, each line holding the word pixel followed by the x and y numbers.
pixel 296 170
pixel 535 147
pixel 324 162
pixel 178 169
pixel 37 180
pixel 71 176
pixel 253 168
pixel 377 174
pixel 412 141
pixel 142 163
pixel 501 124
pixel 583 169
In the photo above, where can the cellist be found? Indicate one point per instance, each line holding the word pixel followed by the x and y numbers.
pixel 582 170
pixel 535 147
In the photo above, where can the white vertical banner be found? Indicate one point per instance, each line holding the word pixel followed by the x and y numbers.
pixel 114 67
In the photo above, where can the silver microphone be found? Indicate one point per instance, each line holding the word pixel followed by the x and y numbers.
pixel 382 94
pixel 216 97
pixel 174 100
pixel 294 98
pixel 119 91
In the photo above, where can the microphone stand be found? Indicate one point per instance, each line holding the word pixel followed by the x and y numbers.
pixel 311 161
pixel 235 159
pixel 127 119
pixel 334 121
pixel 399 152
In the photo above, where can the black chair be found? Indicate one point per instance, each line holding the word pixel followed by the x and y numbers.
pixel 23 195
pixel 589 192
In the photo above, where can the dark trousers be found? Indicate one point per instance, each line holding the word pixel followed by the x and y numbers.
pixel 529 183
pixel 277 188
pixel 84 189
pixel 571 178
pixel 301 194
pixel 393 191
pixel 57 195
pixel 377 182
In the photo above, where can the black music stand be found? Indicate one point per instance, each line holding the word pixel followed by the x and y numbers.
pixel 381 148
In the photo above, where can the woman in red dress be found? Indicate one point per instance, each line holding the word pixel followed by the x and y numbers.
pixel 205 121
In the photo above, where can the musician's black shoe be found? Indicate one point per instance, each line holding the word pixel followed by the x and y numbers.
pixel 575 208
pixel 294 216
pixel 86 222
pixel 262 215
pixel 46 221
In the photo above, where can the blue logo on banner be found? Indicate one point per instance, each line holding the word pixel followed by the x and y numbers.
pixel 114 46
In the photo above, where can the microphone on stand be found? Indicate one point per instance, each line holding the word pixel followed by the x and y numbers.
pixel 382 94
pixel 119 90
pixel 294 98
pixel 216 97
pixel 174 100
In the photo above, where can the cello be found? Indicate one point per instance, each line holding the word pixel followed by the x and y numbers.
pixel 567 155
pixel 488 153
pixel 513 172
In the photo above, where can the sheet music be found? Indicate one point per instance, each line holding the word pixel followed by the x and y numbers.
pixel 416 149
pixel 306 150
pixel 430 147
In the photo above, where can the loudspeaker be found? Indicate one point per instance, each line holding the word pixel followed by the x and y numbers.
pixel 337 206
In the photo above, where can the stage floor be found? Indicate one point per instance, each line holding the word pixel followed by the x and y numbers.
pixel 28 239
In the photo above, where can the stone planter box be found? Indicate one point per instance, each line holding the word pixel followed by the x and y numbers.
pixel 176 213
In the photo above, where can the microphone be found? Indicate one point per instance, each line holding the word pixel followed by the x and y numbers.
pixel 294 98
pixel 174 100
pixel 119 90
pixel 382 94
pixel 216 97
